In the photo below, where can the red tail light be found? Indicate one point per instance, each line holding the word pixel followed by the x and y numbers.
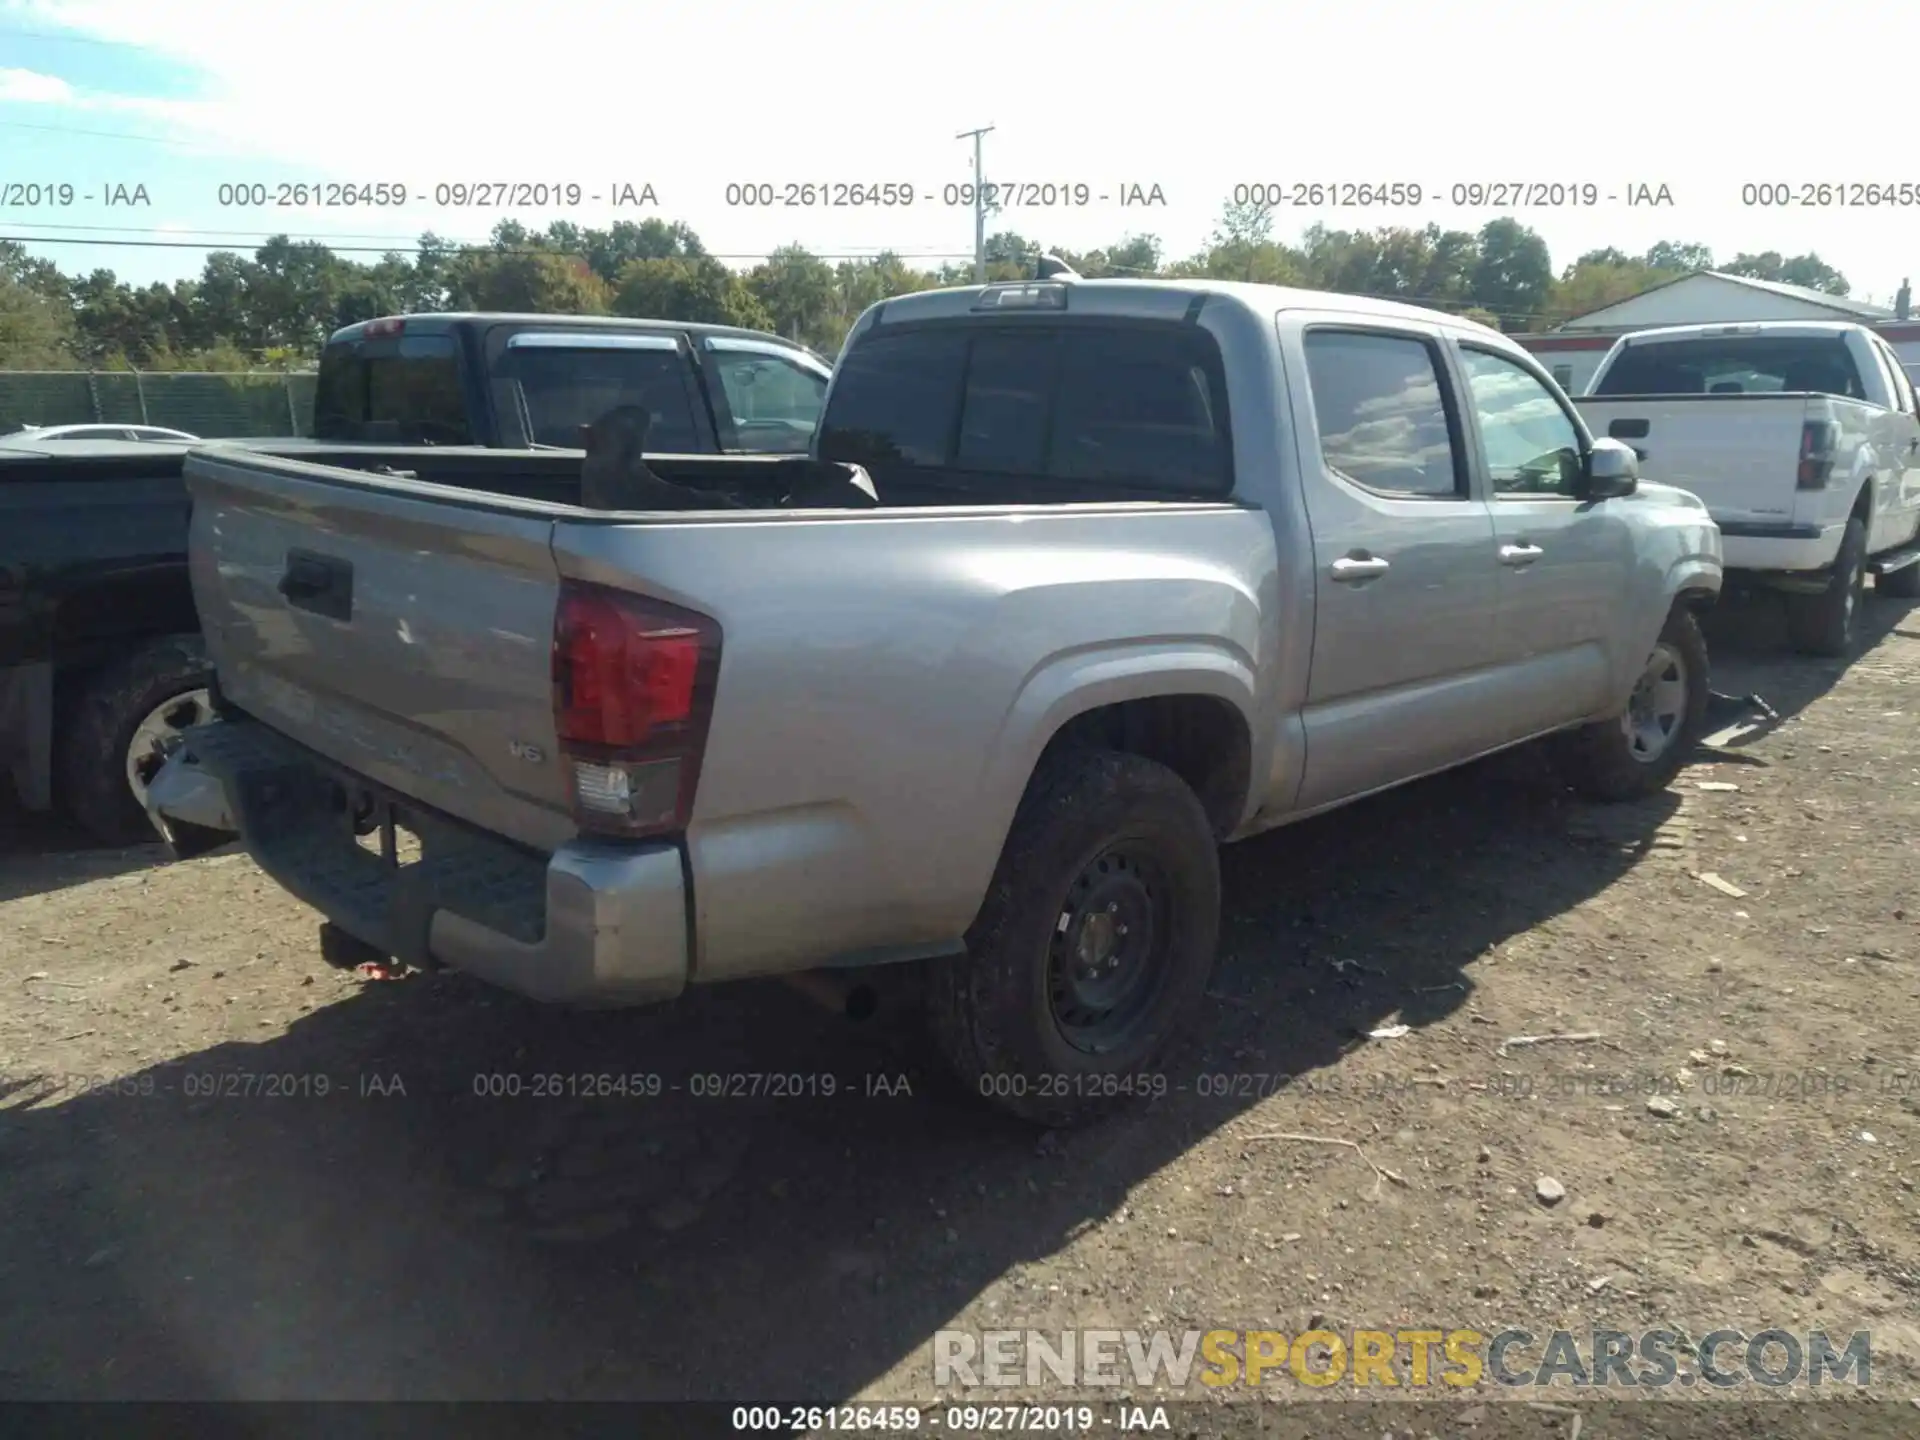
pixel 633 683
pixel 374 329
pixel 1817 438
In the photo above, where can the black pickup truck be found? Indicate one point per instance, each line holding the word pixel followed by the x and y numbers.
pixel 531 381
pixel 100 659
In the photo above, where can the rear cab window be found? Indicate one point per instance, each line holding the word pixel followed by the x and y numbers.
pixel 402 388
pixel 1735 365
pixel 566 379
pixel 1062 409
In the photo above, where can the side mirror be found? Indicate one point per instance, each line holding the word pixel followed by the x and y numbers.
pixel 1609 470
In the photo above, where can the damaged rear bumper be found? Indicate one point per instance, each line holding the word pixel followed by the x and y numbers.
pixel 591 924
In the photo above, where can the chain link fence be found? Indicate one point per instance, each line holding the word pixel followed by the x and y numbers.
pixel 212 404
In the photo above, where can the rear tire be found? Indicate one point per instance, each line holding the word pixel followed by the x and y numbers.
pixel 1093 946
pixel 1901 584
pixel 133 704
pixel 1639 752
pixel 1823 624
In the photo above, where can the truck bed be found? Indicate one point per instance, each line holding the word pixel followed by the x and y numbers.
pixel 404 631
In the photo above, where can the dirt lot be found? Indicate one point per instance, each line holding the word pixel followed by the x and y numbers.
pixel 404 1236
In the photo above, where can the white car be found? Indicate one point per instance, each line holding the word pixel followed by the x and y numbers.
pixel 98 432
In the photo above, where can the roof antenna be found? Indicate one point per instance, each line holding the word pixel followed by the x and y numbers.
pixel 1052 267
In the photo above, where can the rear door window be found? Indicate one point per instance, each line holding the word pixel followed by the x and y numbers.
pixel 1138 406
pixel 405 389
pixel 1381 408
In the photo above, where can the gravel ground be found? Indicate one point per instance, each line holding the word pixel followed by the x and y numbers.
pixel 232 1172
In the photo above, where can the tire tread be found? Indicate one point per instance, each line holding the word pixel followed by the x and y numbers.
pixel 1594 758
pixel 93 751
pixel 977 1008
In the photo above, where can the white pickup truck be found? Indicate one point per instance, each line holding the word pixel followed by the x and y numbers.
pixel 1804 440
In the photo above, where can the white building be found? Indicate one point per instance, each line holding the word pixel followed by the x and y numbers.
pixel 1573 350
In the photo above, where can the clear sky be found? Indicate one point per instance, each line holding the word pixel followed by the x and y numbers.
pixel 184 96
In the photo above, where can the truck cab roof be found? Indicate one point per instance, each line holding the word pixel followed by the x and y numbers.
pixel 1151 299
pixel 444 322
pixel 1784 329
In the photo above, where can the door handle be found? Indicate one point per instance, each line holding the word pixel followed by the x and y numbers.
pixel 318 583
pixel 1519 555
pixel 1349 568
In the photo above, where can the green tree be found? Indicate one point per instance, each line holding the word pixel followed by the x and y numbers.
pixel 116 326
pixel 1135 258
pixel 801 297
pixel 42 277
pixel 1807 270
pixel 527 281
pixel 295 294
pixel 1245 223
pixel 1242 248
pixel 701 291
pixel 36 332
pixel 862 283
pixel 1679 256
pixel 1513 273
pixel 1593 282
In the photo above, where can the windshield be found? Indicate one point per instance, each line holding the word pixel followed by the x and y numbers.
pixel 1734 365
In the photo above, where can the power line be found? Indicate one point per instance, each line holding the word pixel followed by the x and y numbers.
pixel 104 134
pixel 17 32
pixel 482 246
pixel 387 241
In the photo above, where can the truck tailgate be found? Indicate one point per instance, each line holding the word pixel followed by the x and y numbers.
pixel 1739 453
pixel 403 630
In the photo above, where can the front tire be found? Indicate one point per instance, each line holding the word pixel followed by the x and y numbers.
pixel 128 721
pixel 1638 753
pixel 1822 624
pixel 1093 946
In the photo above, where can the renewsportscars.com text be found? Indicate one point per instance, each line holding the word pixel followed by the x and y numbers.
pixel 1438 1357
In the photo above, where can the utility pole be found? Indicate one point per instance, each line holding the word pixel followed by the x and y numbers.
pixel 979 205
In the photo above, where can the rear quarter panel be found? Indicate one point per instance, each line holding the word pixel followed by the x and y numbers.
pixel 887 682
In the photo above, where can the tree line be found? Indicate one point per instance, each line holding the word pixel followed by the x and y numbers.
pixel 275 309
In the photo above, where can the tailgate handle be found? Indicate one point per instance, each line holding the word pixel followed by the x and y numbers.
pixel 318 583
pixel 1628 430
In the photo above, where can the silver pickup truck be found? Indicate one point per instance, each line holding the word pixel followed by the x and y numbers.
pixel 1155 566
